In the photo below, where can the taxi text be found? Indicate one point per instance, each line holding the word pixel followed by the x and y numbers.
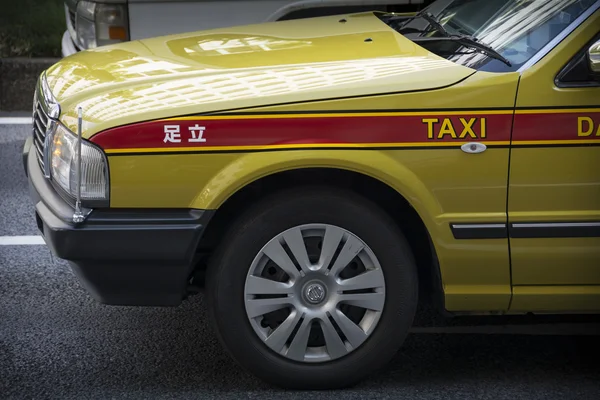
pixel 475 128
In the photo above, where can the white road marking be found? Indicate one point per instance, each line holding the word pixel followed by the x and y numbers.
pixel 21 240
pixel 15 120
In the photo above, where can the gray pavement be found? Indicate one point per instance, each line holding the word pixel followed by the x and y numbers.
pixel 16 216
pixel 57 343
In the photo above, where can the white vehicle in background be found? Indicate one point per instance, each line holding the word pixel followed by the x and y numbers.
pixel 101 22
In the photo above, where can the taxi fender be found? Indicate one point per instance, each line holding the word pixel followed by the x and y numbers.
pixel 254 166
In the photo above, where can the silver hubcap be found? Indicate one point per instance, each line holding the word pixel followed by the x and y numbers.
pixel 314 293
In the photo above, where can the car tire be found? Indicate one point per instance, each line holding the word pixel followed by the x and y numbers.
pixel 228 277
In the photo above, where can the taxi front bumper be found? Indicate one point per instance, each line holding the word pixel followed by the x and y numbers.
pixel 120 256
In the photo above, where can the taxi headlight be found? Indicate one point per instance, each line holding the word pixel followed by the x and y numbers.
pixel 94 172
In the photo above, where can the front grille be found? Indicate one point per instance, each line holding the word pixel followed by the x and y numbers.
pixel 40 125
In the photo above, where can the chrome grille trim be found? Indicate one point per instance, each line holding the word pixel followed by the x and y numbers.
pixel 42 114
pixel 40 127
pixel 45 110
pixel 38 124
pixel 39 153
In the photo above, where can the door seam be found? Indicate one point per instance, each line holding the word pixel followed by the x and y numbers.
pixel 510 149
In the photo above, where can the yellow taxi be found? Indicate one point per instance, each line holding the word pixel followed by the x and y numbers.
pixel 321 177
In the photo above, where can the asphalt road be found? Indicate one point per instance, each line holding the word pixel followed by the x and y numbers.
pixel 55 342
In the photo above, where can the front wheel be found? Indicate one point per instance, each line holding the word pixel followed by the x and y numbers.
pixel 313 289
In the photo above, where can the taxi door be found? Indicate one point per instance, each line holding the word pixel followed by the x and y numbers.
pixel 554 182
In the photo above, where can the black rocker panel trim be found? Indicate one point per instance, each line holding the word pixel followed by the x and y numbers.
pixel 526 230
pixel 479 231
pixel 555 229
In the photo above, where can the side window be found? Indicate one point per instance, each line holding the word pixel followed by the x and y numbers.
pixel 577 72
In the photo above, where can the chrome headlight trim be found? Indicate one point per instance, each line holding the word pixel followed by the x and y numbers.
pixel 52 107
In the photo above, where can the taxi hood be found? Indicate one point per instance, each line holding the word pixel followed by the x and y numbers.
pixel 242 67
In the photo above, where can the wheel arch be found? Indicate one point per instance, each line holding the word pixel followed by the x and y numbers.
pixel 393 202
pixel 380 166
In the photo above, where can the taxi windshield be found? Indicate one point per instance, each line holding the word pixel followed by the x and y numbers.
pixel 512 31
